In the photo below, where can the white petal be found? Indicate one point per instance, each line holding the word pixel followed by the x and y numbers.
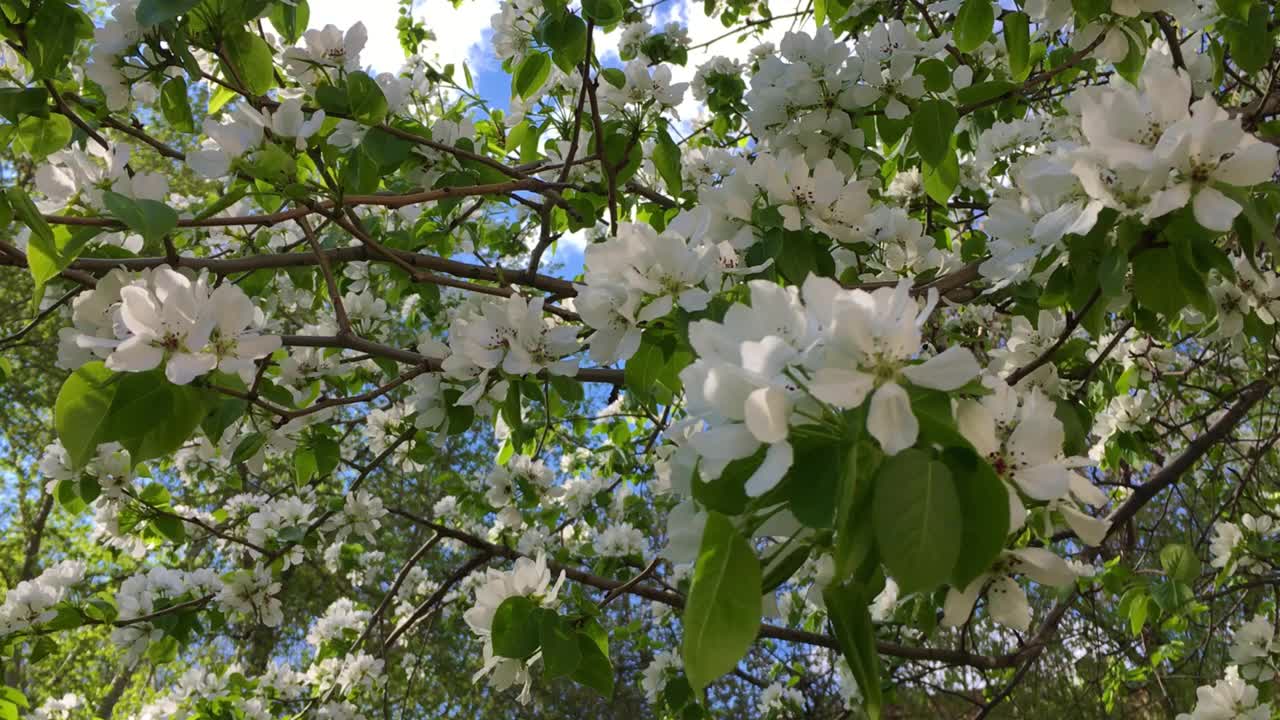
pixel 1251 165
pixel 1166 201
pixel 1086 492
pixel 976 424
pixel 777 461
pixel 1017 511
pixel 890 419
pixel 186 367
pixel 1089 529
pixel 841 387
pixel 182 368
pixel 1007 603
pixel 948 371
pixel 959 603
pixel 134 355
pixel 767 412
pixel 1043 566
pixel 1214 210
pixel 1049 481
pixel 726 442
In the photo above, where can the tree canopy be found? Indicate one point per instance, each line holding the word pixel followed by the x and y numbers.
pixel 907 359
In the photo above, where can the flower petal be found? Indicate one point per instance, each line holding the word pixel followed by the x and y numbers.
pixel 890 420
pixel 948 371
pixel 841 387
pixel 1214 210
pixel 767 412
pixel 777 461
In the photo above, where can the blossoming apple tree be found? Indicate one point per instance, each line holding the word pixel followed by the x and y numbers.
pixel 928 348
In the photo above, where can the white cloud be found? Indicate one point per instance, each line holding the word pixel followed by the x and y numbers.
pixel 459 31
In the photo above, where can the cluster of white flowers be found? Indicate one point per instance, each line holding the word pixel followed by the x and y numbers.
pixel 163 317
pixel 1231 698
pixel 31 602
pixel 510 334
pixel 777 701
pixel 1022 439
pixel 621 540
pixel 252 592
pixel 57 708
pixel 522 476
pixel 643 89
pixel 782 353
pixel 1253 649
pixel 1228 548
pixel 1141 152
pixel 147 592
pixel 642 275
pixel 666 664
pixel 527 578
pixel 288 515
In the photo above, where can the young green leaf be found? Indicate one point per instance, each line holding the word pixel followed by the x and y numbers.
pixel 722 616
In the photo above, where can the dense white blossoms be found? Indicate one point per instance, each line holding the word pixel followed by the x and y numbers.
pixel 512 335
pixel 528 578
pixel 1022 439
pixel 1231 698
pixel 31 602
pixel 815 282
pixel 836 346
pixel 163 317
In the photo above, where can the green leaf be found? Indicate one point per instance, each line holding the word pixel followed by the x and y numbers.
pixel 814 479
pixel 848 607
pixel 642 371
pixel 984 507
pixel 1155 282
pixel 365 100
pixel 570 46
pixel 594 669
pixel 40 137
pixel 936 74
pixel 560 650
pixel 1251 41
pixel 1180 562
pixel 666 158
pixel 219 97
pixel 150 219
pixel 152 417
pixel 932 125
pixel 44 258
pixel 304 466
pixel 82 411
pixel 174 105
pixel 171 528
pixel 252 59
pixel 51 37
pixel 603 12
pixel 1017 40
pixel 515 628
pixel 974 22
pixel 290 19
pixel 722 616
pixel 1112 271
pixel 248 447
pixel 531 74
pixel 916 513
pixel 941 181
pixel 154 12
pixel 16 102
pixel 614 77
